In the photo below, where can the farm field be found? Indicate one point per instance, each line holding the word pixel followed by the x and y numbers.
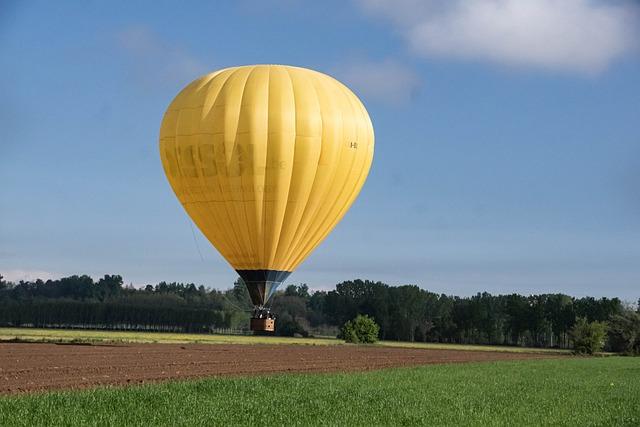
pixel 28 367
pixel 97 336
pixel 560 391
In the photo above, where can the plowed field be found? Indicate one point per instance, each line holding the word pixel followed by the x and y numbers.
pixel 30 367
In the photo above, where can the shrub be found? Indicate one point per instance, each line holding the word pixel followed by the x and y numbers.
pixel 624 333
pixel 363 329
pixel 588 337
pixel 288 326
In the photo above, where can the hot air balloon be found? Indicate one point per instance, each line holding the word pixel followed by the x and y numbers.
pixel 266 160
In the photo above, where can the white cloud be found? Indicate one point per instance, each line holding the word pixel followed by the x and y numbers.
pixel 157 61
pixel 583 36
pixel 17 275
pixel 389 81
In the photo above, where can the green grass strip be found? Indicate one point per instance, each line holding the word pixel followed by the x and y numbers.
pixel 563 392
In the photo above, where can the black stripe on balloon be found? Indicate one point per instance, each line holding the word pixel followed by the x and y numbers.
pixel 263 275
pixel 262 284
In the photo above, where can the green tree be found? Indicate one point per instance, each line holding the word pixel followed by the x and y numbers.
pixel 109 286
pixel 288 326
pixel 624 333
pixel 588 337
pixel 363 329
pixel 407 306
pixel 316 308
pixel 291 312
pixel 301 291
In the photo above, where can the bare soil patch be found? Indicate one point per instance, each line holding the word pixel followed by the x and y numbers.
pixel 32 367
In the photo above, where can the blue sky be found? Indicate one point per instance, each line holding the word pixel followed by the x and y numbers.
pixel 507 138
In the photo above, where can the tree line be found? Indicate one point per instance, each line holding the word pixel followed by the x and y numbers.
pixel 406 313
pixel 81 302
pixel 409 313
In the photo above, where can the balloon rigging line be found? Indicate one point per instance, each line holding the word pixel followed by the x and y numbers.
pixel 234 305
pixel 195 241
pixel 193 233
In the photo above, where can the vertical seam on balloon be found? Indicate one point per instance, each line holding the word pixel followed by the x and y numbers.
pixel 212 211
pixel 277 242
pixel 364 172
pixel 175 153
pixel 298 236
pixel 261 237
pixel 200 206
pixel 323 231
pixel 242 193
pixel 266 255
pixel 356 189
pixel 235 241
pixel 293 229
pixel 331 225
pixel 230 203
pixel 303 244
pixel 185 188
pixel 225 176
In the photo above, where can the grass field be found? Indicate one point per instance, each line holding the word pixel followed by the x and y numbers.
pixel 60 335
pixel 571 391
pixel 471 347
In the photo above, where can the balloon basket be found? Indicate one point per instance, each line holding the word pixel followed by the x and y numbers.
pixel 264 324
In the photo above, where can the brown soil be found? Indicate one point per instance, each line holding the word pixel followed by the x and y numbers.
pixel 27 367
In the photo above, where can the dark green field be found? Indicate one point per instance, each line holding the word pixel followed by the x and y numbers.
pixel 573 391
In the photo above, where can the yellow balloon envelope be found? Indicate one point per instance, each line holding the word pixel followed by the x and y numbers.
pixel 266 160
